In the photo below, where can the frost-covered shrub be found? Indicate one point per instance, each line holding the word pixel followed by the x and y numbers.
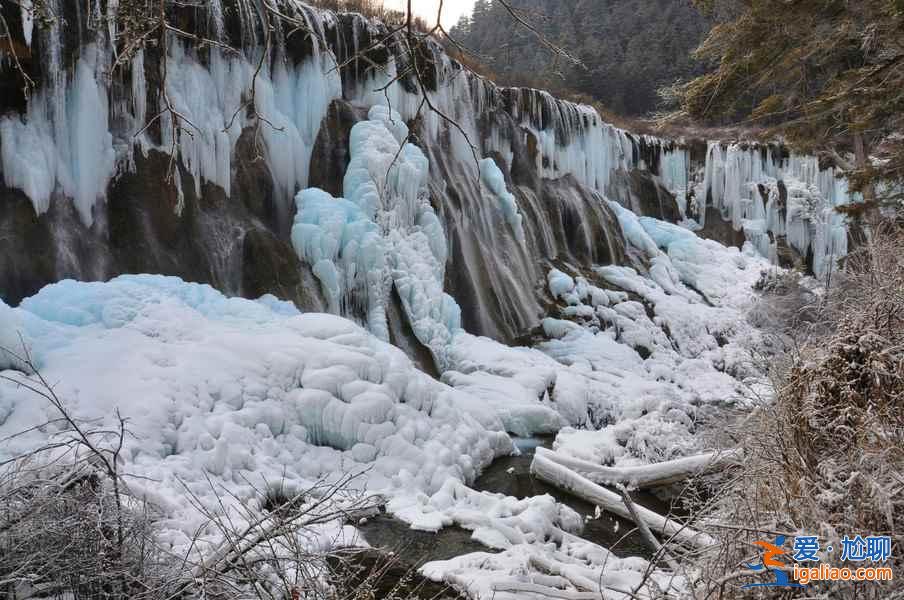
pixel 787 306
pixel 825 457
pixel 64 535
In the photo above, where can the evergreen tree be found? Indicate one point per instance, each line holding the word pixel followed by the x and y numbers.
pixel 825 74
pixel 629 48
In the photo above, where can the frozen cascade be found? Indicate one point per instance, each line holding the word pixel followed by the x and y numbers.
pixel 571 138
pixel 78 132
pixel 294 99
pixel 766 195
pixel 673 170
pixel 63 140
pixel 383 233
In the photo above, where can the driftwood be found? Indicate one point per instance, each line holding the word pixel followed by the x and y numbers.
pixel 645 476
pixel 560 476
pixel 649 538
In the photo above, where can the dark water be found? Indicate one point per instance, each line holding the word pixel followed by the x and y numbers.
pixel 417 547
pixel 510 475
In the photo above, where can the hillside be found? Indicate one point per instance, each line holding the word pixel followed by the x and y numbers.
pixel 629 48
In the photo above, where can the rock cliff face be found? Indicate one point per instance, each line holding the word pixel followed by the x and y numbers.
pixel 97 181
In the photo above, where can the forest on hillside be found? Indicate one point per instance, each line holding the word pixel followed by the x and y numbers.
pixel 628 49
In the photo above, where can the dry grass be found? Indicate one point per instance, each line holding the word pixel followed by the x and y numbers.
pixel 826 457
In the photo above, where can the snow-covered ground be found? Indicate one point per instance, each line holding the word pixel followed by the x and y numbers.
pixel 246 392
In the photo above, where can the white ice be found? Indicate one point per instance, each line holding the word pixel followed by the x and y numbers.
pixel 242 390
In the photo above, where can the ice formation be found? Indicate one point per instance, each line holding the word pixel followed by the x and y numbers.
pixel 210 98
pixel 383 233
pixel 493 178
pixel 63 140
pixel 238 388
pixel 768 196
pixel 230 386
pixel 346 251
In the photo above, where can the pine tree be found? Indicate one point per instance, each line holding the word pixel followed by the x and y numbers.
pixel 629 48
pixel 828 75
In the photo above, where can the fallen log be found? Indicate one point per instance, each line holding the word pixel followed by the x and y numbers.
pixel 645 476
pixel 562 477
pixel 522 587
pixel 658 549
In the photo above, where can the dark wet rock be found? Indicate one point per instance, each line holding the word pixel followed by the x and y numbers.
pixel 252 183
pixel 271 266
pixel 27 260
pixel 331 156
pixel 642 193
pixel 720 230
pixel 401 335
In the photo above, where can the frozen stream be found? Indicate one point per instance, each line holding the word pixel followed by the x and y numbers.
pixel 510 475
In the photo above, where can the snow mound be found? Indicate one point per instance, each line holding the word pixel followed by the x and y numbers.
pixel 241 390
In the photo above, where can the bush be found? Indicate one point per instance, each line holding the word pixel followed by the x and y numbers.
pixel 826 456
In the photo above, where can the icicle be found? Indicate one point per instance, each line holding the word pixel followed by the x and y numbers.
pixel 64 140
pixel 28 23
